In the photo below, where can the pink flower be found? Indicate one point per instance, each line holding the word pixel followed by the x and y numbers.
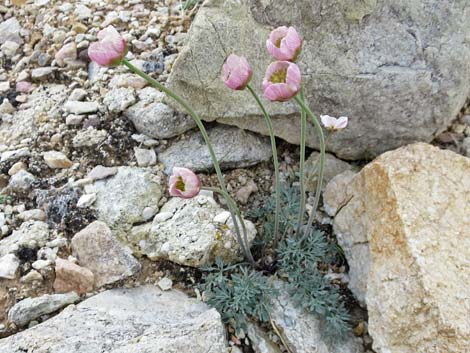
pixel 334 124
pixel 184 183
pixel 236 72
pixel 111 48
pixel 282 81
pixel 284 43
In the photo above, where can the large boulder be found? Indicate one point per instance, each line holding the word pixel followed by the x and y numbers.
pixel 142 319
pixel 405 230
pixel 399 70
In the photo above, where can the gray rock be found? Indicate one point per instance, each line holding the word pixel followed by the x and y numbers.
pixel 100 172
pixel 156 119
pixel 97 249
pixel 189 232
pixel 21 181
pixel 24 124
pixel 15 154
pixel 31 234
pixel 333 167
pixel 122 198
pixel 399 71
pixel 8 266
pixel 145 157
pixel 77 107
pixel 302 331
pixel 9 48
pixel 234 148
pixel 119 99
pixel 30 309
pixel 260 341
pixel 142 319
pixel 78 94
pixel 42 73
pixel 89 137
pixel 10 31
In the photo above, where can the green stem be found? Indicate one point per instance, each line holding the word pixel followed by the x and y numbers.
pixel 321 168
pixel 193 115
pixel 235 211
pixel 303 137
pixel 277 178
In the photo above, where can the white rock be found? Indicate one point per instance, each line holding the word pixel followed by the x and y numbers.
pixel 119 99
pixel 77 107
pixel 136 320
pixel 78 94
pixel 222 217
pixel 163 216
pixel 86 200
pixel 9 48
pixel 40 264
pixel 100 172
pixel 165 283
pixel 187 234
pixel 8 266
pixel 145 157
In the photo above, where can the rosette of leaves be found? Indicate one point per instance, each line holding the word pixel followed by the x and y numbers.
pixel 238 293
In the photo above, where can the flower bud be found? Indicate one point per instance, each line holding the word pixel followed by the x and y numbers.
pixel 110 49
pixel 236 72
pixel 184 183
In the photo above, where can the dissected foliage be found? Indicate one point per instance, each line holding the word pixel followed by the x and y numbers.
pixel 299 260
pixel 288 217
pixel 238 293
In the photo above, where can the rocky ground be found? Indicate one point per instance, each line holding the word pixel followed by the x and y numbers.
pixel 85 154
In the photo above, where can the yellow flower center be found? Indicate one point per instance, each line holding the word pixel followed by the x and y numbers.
pixel 278 42
pixel 279 76
pixel 180 184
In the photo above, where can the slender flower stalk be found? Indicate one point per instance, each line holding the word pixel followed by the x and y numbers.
pixel 303 137
pixel 199 124
pixel 321 168
pixel 277 178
